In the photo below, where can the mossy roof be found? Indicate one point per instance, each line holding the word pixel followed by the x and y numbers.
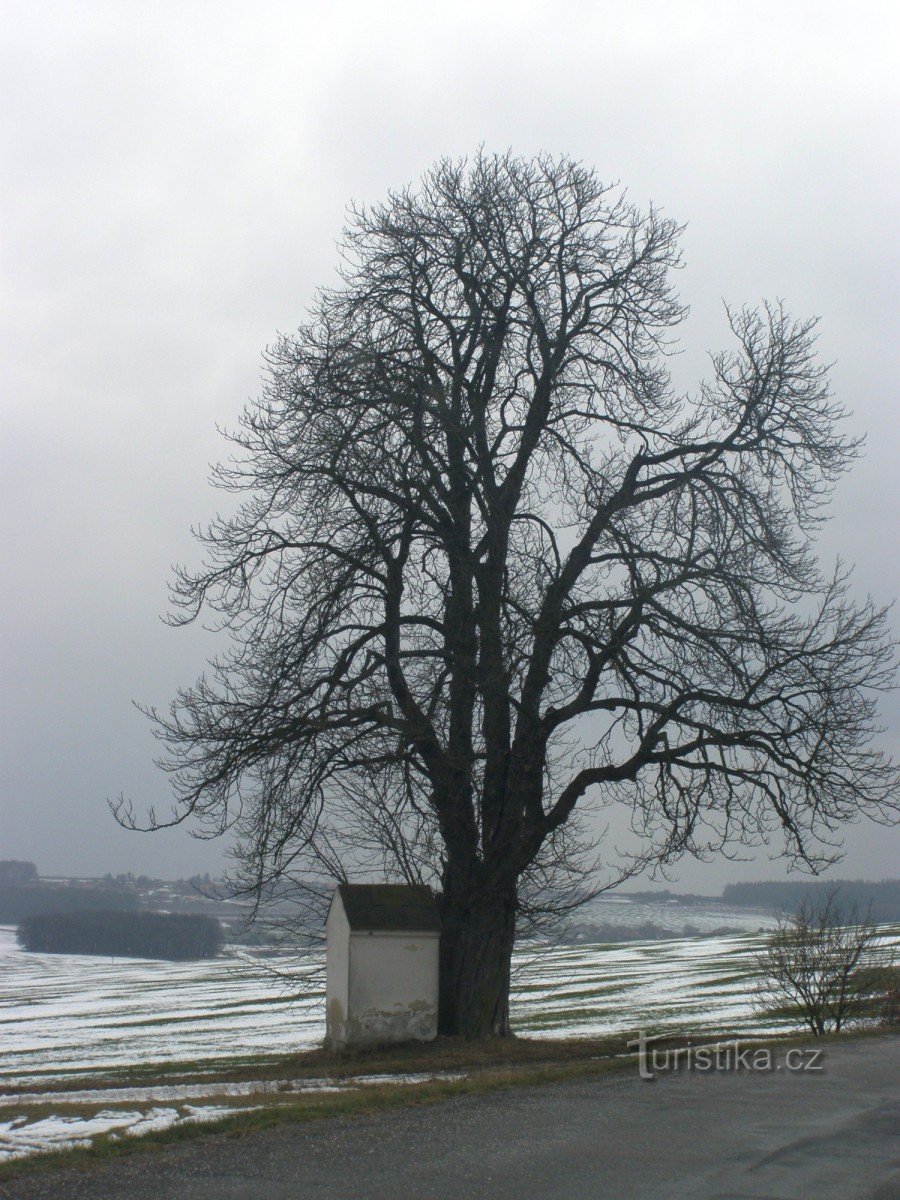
pixel 384 907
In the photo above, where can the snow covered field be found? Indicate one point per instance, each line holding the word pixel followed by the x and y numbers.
pixel 73 1014
pixel 695 985
pixel 66 1018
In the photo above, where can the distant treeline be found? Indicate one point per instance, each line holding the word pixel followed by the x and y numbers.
pixel 17 903
pixel 124 934
pixel 647 931
pixel 785 895
pixel 671 897
pixel 15 872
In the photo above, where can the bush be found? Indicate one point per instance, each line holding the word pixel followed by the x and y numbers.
pixel 827 964
pixel 125 934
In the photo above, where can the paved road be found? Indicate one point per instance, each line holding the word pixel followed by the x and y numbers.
pixel 830 1135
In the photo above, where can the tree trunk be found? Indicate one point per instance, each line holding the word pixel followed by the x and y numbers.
pixel 476 948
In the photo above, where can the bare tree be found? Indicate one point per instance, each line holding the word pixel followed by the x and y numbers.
pixel 827 963
pixel 491 573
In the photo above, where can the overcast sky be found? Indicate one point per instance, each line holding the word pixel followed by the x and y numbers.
pixel 175 176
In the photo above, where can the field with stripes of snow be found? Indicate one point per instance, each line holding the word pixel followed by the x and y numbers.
pixel 67 1020
pixel 71 1015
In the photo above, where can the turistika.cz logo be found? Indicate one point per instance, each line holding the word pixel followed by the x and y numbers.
pixel 721 1056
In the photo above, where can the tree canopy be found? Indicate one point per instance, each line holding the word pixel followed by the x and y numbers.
pixel 491 572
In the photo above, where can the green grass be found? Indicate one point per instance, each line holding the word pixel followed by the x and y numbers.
pixel 443 1054
pixel 721 981
pixel 585 992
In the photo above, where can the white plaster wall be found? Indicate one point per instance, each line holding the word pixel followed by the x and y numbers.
pixel 393 987
pixel 337 973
